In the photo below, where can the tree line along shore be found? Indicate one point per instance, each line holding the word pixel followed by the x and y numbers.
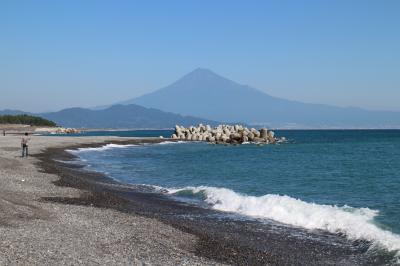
pixel 25 119
pixel 15 124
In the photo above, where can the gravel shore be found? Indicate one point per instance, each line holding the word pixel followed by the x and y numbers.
pixel 34 231
pixel 56 213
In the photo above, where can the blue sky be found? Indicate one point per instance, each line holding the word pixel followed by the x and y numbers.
pixel 57 54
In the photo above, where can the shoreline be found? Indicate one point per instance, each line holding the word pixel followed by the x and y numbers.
pixel 36 231
pixel 170 211
pixel 217 239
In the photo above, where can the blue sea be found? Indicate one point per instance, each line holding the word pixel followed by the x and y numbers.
pixel 341 181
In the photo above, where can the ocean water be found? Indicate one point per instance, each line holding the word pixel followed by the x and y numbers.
pixel 344 182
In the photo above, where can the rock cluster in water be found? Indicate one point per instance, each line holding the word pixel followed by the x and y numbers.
pixel 226 134
pixel 62 130
pixel 57 130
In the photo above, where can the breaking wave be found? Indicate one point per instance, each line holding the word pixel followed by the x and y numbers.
pixel 354 223
pixel 102 148
pixel 119 146
pixel 167 142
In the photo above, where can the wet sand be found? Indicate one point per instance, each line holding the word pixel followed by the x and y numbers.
pixel 53 212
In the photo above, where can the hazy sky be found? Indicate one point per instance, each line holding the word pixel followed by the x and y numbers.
pixel 57 54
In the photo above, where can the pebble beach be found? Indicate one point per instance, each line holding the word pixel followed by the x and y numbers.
pixel 54 212
pixel 38 232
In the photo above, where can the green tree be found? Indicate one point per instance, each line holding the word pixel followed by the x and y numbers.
pixel 26 120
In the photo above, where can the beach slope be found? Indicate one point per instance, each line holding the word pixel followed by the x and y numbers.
pixel 40 232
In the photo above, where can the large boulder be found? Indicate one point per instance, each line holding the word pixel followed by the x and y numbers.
pixel 257 140
pixel 235 136
pixel 218 136
pixel 251 136
pixel 271 134
pixel 224 138
pixel 263 133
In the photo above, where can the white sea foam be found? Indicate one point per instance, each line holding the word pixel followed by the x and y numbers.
pixel 355 223
pixel 102 148
pixel 171 142
pixel 119 146
pixel 80 161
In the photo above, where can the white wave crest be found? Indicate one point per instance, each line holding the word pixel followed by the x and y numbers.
pixel 167 142
pixel 119 146
pixel 355 223
pixel 102 148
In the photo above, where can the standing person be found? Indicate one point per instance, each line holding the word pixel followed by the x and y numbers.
pixel 4 132
pixel 24 144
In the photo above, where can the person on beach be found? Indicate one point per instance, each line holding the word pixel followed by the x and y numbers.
pixel 24 145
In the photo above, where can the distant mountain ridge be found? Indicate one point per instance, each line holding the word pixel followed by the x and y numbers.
pixel 205 97
pixel 202 93
pixel 118 116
